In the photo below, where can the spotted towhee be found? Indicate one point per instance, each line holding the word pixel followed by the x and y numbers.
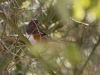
pixel 34 34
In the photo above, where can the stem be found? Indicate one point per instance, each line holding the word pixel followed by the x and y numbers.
pixel 92 52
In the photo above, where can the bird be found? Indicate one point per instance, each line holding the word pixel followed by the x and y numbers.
pixel 34 34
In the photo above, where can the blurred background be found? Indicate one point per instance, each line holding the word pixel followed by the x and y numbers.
pixel 75 23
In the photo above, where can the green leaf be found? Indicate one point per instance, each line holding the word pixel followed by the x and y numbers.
pixel 73 53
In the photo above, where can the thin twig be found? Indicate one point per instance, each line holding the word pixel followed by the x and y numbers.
pixel 86 24
pixel 92 52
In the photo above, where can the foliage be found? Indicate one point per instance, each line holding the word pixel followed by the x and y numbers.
pixel 72 24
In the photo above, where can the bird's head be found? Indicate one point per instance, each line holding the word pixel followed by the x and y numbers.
pixel 32 27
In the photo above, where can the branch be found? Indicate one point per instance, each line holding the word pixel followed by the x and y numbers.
pixel 28 44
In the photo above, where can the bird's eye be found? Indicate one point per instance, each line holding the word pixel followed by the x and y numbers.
pixel 36 21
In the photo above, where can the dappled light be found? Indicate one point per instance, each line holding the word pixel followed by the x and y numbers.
pixel 49 37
